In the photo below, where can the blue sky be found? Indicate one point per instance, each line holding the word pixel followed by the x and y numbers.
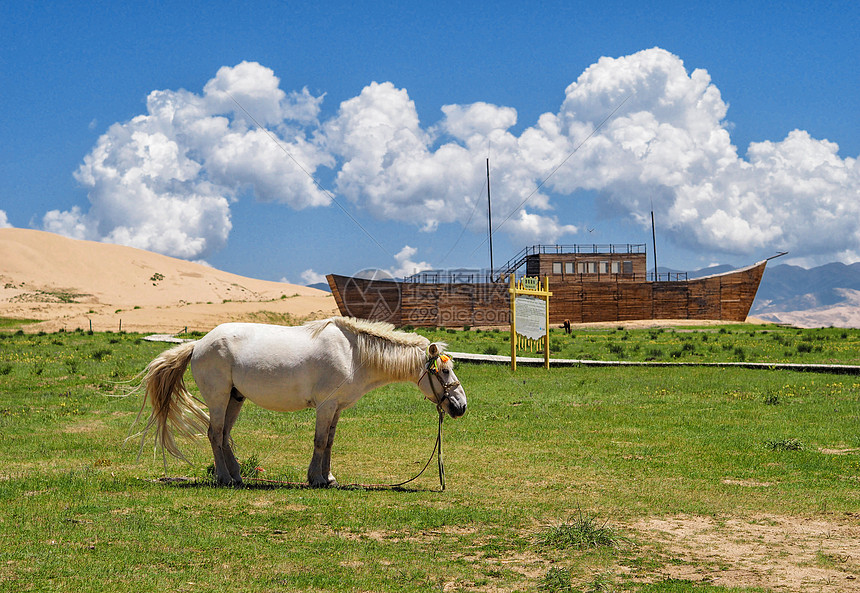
pixel 740 127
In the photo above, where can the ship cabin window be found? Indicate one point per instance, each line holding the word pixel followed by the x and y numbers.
pixel 580 267
pixel 568 267
pixel 591 267
pixel 616 266
pixel 604 267
pixel 627 267
pixel 556 267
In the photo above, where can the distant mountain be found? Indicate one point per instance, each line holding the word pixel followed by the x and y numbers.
pixel 817 297
pixel 710 271
pixel 786 287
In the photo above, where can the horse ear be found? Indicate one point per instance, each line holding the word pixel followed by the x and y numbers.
pixel 433 350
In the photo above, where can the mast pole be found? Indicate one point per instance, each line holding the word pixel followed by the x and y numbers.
pixel 490 220
pixel 654 243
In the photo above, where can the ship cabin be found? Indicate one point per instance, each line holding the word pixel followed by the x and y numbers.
pixel 581 263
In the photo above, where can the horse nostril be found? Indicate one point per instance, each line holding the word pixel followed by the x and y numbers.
pixel 457 410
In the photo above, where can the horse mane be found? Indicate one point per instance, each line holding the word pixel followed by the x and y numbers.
pixel 396 353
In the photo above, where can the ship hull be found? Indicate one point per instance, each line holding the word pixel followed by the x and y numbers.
pixel 726 297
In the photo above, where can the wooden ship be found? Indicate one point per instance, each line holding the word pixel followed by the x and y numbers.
pixel 590 283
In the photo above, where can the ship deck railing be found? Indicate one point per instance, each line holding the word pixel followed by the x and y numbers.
pixel 486 277
pixel 668 277
pixel 452 277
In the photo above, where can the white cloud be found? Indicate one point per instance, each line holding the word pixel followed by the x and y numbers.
pixel 670 144
pixel 165 180
pixel 392 169
pixel 477 121
pixel 4 220
pixel 257 91
pixel 310 277
pixel 535 228
pixel 405 265
pixel 69 223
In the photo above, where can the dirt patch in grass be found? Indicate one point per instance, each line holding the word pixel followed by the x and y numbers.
pixel 746 483
pixel 528 564
pixel 84 426
pixel 840 451
pixel 395 536
pixel 775 552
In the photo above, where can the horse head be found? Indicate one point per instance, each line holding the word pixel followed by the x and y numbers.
pixel 439 383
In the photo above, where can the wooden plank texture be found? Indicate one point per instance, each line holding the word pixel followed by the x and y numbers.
pixel 579 298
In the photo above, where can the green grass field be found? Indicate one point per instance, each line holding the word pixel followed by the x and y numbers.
pixel 555 479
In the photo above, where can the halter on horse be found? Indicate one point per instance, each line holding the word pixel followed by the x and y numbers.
pixel 437 364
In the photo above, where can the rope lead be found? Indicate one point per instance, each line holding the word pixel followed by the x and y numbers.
pixel 437 448
pixel 439 456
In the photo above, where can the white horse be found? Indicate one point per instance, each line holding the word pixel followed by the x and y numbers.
pixel 327 365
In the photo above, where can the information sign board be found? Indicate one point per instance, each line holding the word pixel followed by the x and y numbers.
pixel 529 316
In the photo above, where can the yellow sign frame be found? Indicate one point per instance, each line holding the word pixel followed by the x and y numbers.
pixel 528 287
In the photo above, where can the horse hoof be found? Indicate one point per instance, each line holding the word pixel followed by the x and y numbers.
pixel 331 483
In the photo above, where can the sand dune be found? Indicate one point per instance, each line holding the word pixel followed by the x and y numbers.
pixel 67 283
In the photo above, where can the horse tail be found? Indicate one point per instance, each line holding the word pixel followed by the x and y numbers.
pixel 173 408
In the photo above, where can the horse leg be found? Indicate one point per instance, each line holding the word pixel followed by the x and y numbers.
pixel 223 411
pixel 214 380
pixel 217 421
pixel 233 408
pixel 326 461
pixel 318 471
